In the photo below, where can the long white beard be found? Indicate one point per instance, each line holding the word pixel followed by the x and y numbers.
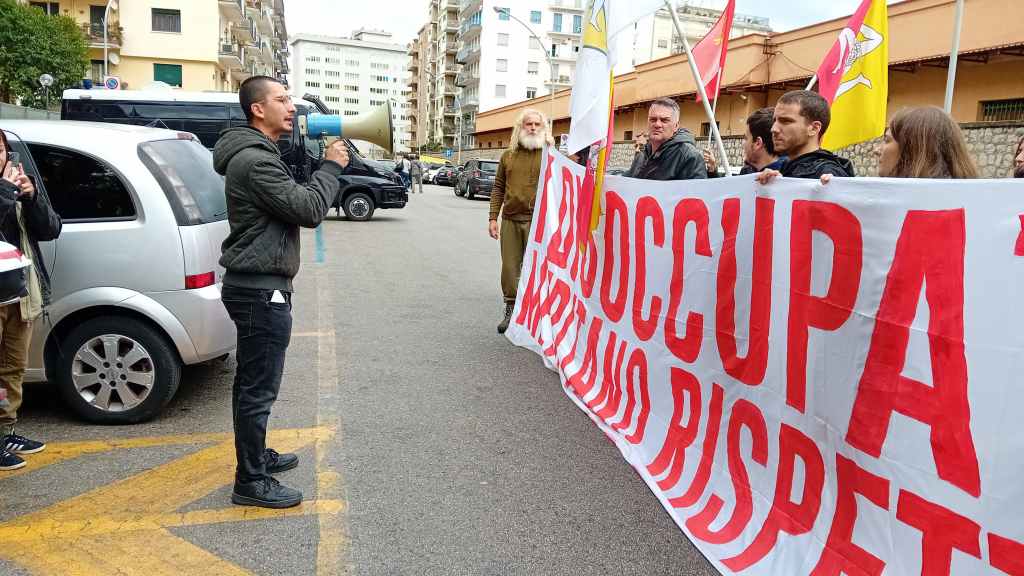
pixel 531 142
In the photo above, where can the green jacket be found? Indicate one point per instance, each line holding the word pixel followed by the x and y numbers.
pixel 266 207
pixel 515 184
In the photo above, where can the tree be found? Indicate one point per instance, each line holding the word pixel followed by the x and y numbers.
pixel 34 44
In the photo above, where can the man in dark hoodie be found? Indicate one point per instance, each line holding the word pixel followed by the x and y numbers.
pixel 801 119
pixel 671 152
pixel 266 207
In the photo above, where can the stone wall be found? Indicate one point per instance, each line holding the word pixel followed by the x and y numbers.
pixel 990 143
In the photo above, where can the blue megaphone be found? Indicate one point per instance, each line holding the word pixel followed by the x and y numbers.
pixel 374 127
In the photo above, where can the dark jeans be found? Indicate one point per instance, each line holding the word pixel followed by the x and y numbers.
pixel 264 331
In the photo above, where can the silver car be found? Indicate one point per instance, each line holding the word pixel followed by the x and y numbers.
pixel 134 273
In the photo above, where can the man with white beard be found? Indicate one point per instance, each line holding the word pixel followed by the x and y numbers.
pixel 515 188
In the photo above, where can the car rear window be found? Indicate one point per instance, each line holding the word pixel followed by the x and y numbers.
pixel 184 169
pixel 491 167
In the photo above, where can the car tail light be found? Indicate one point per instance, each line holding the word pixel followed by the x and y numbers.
pixel 200 281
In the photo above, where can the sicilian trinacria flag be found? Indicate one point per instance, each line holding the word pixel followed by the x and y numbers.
pixel 854 77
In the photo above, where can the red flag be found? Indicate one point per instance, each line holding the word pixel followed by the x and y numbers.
pixel 709 53
pixel 832 69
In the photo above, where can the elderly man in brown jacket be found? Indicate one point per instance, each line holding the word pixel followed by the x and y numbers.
pixel 515 189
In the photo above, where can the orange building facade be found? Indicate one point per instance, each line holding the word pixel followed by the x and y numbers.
pixel 760 68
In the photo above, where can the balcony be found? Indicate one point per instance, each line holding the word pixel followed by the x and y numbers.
pixel 94 34
pixel 232 10
pixel 451 26
pixel 264 21
pixel 245 31
pixel 451 111
pixel 564 33
pixel 568 5
pixel 471 6
pixel 470 103
pixel 230 55
pixel 564 55
pixel 470 30
pixel 450 90
pixel 463 79
pixel 563 82
pixel 467 54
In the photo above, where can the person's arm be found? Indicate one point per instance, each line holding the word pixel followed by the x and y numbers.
pixel 634 168
pixel 498 191
pixel 41 221
pixel 275 191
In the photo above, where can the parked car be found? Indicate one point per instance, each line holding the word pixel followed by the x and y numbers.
pixel 431 172
pixel 477 178
pixel 135 274
pixel 445 176
pixel 368 185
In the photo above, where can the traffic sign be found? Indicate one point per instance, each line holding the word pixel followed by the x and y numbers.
pixel 112 83
pixel 448 153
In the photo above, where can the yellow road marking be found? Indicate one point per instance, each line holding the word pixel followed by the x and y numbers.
pixel 333 541
pixel 122 527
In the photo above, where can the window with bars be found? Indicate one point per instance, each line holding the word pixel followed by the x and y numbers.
pixel 1002 110
pixel 166 20
pixel 705 128
pixel 51 8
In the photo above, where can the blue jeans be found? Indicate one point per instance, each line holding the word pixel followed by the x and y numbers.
pixel 264 331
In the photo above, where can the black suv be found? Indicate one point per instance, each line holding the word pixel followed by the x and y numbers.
pixel 477 178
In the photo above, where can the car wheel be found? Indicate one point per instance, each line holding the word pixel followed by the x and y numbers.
pixel 117 370
pixel 359 207
pixel 469 191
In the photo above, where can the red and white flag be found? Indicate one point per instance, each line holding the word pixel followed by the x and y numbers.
pixel 709 53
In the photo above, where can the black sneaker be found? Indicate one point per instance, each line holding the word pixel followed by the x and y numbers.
pixel 265 493
pixel 508 318
pixel 277 462
pixel 21 445
pixel 10 461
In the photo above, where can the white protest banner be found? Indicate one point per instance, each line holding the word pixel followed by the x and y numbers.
pixel 812 379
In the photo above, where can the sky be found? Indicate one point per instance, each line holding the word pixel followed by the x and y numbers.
pixel 403 18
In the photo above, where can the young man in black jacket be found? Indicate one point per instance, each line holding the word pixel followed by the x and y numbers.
pixel 266 207
pixel 801 119
pixel 671 152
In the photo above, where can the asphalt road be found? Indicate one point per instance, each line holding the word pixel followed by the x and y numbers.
pixel 429 444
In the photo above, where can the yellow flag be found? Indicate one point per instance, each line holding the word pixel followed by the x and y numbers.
pixel 859 107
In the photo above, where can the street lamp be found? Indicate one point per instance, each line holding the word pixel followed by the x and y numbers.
pixel 111 5
pixel 551 64
pixel 46 81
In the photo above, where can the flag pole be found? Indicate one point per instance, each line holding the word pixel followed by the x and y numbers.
pixel 953 55
pixel 810 85
pixel 700 85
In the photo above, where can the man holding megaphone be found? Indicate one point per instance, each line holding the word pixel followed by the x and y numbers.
pixel 266 207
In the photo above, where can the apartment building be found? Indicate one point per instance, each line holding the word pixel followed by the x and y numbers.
pixel 433 70
pixel 655 36
pixel 355 76
pixel 190 44
pixel 514 51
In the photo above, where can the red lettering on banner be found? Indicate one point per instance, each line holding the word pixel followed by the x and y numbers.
pixel 589 264
pixel 559 249
pixel 637 365
pixel 529 307
pixel 787 516
pixel 688 347
pixel 615 211
pixel 930 251
pixel 538 234
pixel 807 311
pixel 744 414
pixel 1019 249
pixel 611 382
pixel 581 319
pixel 566 326
pixel 749 370
pixel 841 555
pixel 1006 555
pixel 707 457
pixel 578 383
pixel 680 435
pixel 560 292
pixel 942 530
pixel 647 208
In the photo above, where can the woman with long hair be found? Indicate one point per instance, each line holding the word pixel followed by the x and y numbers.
pixel 924 143
pixel 1018 159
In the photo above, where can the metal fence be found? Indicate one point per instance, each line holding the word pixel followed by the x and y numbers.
pixel 10 111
